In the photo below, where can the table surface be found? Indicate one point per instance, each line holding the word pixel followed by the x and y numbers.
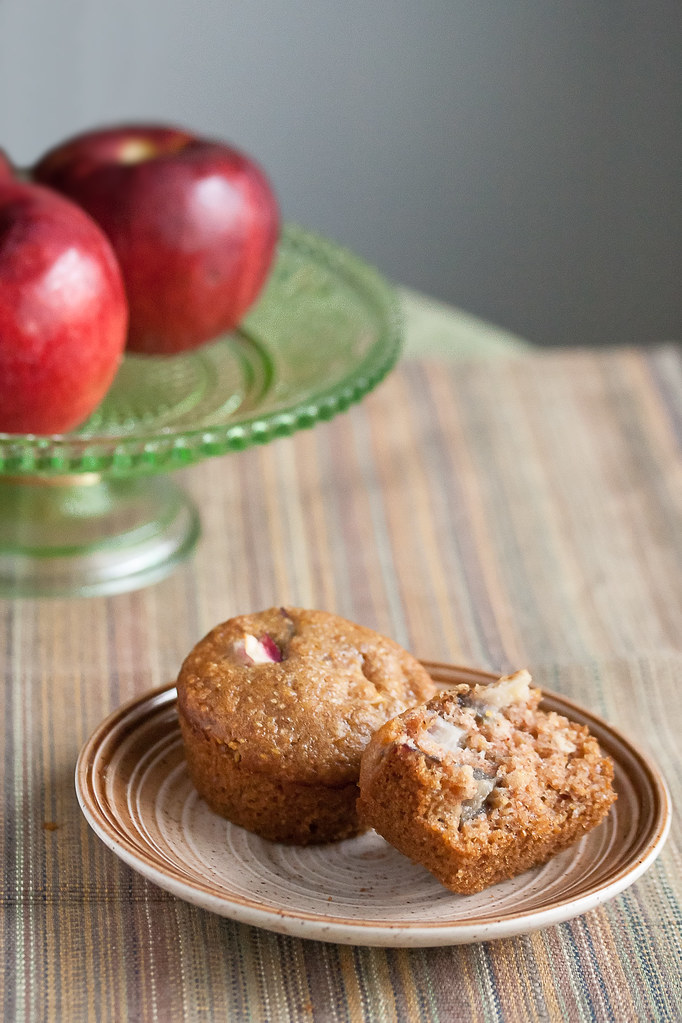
pixel 488 505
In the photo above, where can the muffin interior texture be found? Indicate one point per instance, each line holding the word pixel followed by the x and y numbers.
pixel 479 783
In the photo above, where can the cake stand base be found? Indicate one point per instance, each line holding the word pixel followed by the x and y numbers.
pixel 84 535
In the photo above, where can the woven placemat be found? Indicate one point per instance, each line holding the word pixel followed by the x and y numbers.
pixel 498 514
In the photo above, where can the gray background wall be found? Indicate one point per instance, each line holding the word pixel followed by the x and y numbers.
pixel 519 159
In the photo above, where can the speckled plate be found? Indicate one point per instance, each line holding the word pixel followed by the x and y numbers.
pixel 134 790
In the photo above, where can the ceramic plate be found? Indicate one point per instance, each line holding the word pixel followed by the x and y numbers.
pixel 134 790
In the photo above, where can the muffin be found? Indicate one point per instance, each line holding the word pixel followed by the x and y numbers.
pixel 479 784
pixel 275 710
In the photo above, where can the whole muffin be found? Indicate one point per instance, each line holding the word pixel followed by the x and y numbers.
pixel 276 709
pixel 480 784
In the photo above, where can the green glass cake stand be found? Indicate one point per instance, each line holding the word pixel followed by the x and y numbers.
pixel 95 512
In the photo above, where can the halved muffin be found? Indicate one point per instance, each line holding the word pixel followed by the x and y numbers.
pixel 480 784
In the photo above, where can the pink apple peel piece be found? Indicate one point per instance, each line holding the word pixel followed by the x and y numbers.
pixel 252 650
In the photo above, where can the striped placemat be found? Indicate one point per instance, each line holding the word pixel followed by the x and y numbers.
pixel 498 514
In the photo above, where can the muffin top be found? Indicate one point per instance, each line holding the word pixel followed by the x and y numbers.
pixel 297 691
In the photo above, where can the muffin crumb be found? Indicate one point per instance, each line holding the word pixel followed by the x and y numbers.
pixel 479 783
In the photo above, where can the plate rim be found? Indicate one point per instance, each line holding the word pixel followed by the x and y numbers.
pixel 400 933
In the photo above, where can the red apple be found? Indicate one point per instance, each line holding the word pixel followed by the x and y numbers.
pixel 194 224
pixel 63 311
pixel 6 169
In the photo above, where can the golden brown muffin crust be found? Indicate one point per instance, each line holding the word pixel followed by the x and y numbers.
pixel 275 710
pixel 311 714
